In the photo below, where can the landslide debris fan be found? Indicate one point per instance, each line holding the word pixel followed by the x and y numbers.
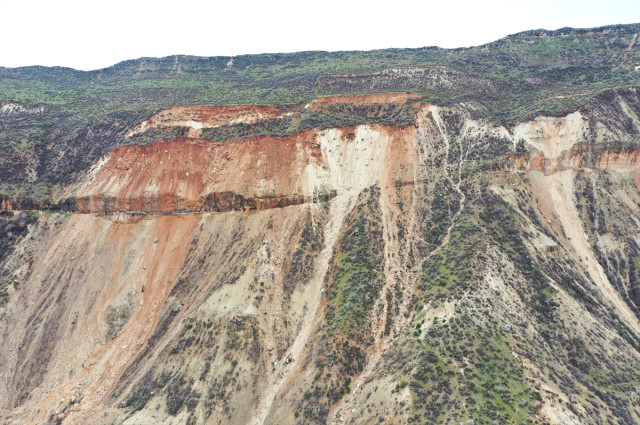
pixel 389 258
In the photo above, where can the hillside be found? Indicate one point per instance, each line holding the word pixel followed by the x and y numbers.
pixel 54 122
pixel 397 236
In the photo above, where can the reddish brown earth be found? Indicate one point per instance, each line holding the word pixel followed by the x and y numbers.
pixel 6 205
pixel 196 175
pixel 181 175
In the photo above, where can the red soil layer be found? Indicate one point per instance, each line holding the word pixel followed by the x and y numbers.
pixel 195 175
pixel 192 175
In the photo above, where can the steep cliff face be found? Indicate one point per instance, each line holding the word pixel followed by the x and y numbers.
pixel 258 173
pixel 444 271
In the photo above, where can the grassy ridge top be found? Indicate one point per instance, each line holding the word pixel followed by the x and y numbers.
pixel 525 66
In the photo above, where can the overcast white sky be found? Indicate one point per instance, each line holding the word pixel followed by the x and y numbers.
pixel 90 35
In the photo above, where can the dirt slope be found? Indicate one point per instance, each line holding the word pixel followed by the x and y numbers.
pixel 447 271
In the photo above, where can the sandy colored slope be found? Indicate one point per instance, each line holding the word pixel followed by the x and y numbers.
pixel 555 138
pixel 556 198
pixel 83 265
pixel 199 117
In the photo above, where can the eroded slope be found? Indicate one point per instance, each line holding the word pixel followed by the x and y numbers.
pixel 449 270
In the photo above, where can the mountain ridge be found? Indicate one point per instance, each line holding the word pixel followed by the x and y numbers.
pixel 534 33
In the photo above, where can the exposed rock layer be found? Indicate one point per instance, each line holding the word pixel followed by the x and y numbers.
pixel 181 307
